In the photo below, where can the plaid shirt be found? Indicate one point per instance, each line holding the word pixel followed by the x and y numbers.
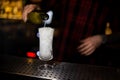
pixel 77 19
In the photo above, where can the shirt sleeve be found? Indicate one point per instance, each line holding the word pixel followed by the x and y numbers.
pixel 113 38
pixel 49 4
pixel 110 39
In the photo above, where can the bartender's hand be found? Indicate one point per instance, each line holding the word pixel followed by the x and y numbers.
pixel 89 45
pixel 27 9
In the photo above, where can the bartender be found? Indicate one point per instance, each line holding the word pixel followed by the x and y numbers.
pixel 71 25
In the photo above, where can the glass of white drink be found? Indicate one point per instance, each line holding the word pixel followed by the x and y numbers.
pixel 45 45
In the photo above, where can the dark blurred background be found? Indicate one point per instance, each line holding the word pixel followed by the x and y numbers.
pixel 19 38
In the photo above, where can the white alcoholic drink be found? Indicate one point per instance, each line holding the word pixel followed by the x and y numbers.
pixel 45 43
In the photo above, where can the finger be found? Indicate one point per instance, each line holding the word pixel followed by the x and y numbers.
pixel 24 17
pixel 85 49
pixel 27 10
pixel 83 45
pixel 88 52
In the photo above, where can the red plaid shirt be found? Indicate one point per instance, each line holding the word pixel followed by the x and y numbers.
pixel 77 19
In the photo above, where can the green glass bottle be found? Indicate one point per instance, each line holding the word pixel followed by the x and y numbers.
pixel 37 16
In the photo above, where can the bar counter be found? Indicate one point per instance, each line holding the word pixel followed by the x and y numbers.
pixel 22 68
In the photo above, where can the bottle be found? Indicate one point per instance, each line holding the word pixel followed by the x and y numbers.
pixel 37 16
pixel 108 30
